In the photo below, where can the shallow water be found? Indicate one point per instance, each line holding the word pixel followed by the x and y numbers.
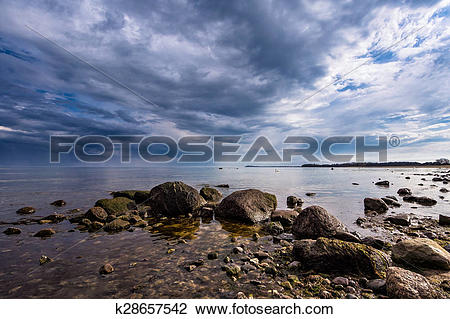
pixel 143 266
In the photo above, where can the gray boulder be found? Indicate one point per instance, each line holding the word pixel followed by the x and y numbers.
pixel 314 222
pixel 422 253
pixel 337 256
pixel 405 284
pixel 249 206
pixel 175 198
pixel 375 204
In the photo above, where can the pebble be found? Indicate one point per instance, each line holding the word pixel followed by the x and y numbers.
pixel 340 281
pixel 47 232
pixel 238 250
pixel 351 296
pixel 213 255
pixel 44 259
pixel 12 231
pixel 106 269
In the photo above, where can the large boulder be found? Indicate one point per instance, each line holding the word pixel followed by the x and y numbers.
pixel 314 222
pixel 405 284
pixel 375 204
pixel 337 256
pixel 116 206
pixel 211 194
pixel 285 217
pixel 249 206
pixel 421 252
pixel 175 198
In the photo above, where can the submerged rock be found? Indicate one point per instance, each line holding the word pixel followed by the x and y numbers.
pixel 211 194
pixel 382 183
pixel 249 206
pixel 12 231
pixel 58 203
pixel 26 210
pixel 404 192
pixel 421 252
pixel 138 196
pixel 422 200
pixel 285 217
pixel 175 198
pixel 405 284
pixel 375 204
pixel 332 255
pixel 115 206
pixel 116 225
pixel 96 214
pixel 314 221
pixel 47 232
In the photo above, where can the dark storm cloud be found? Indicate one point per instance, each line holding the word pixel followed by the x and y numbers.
pixel 211 67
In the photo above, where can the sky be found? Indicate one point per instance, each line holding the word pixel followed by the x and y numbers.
pixel 250 68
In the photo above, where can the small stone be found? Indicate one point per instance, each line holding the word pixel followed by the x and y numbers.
pixel 340 281
pixel 227 260
pixel 382 183
pixel 26 210
pixel 294 265
pixel 106 269
pixel 232 270
pixel 44 259
pixel 444 220
pixel 310 194
pixel 255 236
pixel 325 295
pixel 47 232
pixel 351 296
pixel 12 231
pixel 170 250
pixel 238 250
pixel 400 219
pixel 363 282
pixel 213 255
pixel 377 286
pixel 261 255
pixel 286 285
pixel 350 290
pixel 241 295
pixel 404 192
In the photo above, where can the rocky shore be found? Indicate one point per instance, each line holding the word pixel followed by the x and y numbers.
pixel 300 252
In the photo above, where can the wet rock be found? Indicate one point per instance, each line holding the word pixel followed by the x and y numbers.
pixel 404 192
pixel 405 284
pixel 44 260
pixel 274 228
pixel 261 255
pixel 141 224
pixel 47 232
pixel 138 196
pixel 421 200
pixel 106 269
pixel 399 219
pixel 249 206
pixel 238 250
pixel 55 218
pixel 382 183
pixel 58 203
pixel 211 194
pixel 285 217
pixel 293 201
pixel 255 237
pixel 437 179
pixel 340 281
pixel 95 225
pixel 206 212
pixel 346 236
pixel 375 204
pixel 116 206
pixel 85 222
pixel 314 222
pixel 12 231
pixel 223 186
pixel 356 184
pixel 77 218
pixel 175 198
pixel 116 225
pixel 241 295
pixel 232 270
pixel 374 242
pixel 377 285
pixel 170 251
pixel 310 194
pixel 332 255
pixel 390 202
pixel 444 220
pixel 213 255
pixel 351 296
pixel 26 210
pixel 96 214
pixel 421 252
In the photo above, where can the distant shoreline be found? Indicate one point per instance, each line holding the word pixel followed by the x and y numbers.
pixel 364 165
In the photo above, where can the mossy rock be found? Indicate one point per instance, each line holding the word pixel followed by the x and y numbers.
pixel 337 256
pixel 116 225
pixel 211 194
pixel 138 196
pixel 116 206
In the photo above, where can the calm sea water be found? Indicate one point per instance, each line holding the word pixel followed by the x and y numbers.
pixel 77 255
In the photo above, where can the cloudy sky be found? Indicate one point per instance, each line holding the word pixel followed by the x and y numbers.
pixel 225 67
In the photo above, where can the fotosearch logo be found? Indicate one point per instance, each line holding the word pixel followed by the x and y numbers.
pixel 199 149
